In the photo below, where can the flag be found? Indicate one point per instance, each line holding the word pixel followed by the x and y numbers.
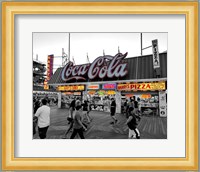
pixel 64 57
pixel 118 50
pixel 88 58
pixel 103 53
pixel 73 61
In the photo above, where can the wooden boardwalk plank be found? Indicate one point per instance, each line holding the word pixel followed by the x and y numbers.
pixel 150 127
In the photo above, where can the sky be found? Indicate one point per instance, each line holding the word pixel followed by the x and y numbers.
pixel 93 44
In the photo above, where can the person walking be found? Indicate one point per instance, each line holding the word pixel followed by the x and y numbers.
pixel 48 100
pixel 36 105
pixel 132 123
pixel 112 111
pixel 70 118
pixel 86 110
pixel 125 106
pixel 130 107
pixel 71 110
pixel 71 123
pixel 136 109
pixel 78 126
pixel 43 117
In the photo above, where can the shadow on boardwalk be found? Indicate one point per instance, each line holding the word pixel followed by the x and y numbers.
pixel 100 128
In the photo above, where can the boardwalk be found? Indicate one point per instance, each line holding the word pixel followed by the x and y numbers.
pixel 100 127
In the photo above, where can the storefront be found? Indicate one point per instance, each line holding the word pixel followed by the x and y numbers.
pixel 99 95
pixel 52 96
pixel 147 94
pixel 69 92
pixel 116 77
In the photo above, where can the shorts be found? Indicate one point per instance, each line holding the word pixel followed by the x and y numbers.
pixel 134 133
pixel 70 119
pixel 131 133
pixel 42 132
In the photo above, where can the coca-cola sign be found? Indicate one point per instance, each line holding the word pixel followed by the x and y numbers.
pixel 102 67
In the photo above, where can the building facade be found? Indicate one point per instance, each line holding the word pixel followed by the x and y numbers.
pixel 119 77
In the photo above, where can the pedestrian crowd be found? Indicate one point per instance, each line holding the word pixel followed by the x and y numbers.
pixel 78 117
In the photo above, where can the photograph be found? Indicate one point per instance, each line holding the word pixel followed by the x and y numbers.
pixel 106 85
pixel 99 85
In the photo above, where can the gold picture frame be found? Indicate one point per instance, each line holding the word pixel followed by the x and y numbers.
pixel 10 9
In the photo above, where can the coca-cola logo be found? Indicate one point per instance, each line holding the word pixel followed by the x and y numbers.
pixel 104 66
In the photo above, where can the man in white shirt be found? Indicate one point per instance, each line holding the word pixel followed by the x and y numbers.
pixel 43 115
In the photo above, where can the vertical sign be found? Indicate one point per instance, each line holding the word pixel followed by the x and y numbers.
pixel 162 104
pixel 46 86
pixel 156 60
pixel 50 66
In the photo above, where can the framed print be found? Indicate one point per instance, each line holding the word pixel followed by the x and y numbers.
pixel 100 85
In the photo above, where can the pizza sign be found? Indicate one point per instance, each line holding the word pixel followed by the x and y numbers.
pixel 102 67
pixel 156 60
pixel 142 86
pixel 50 66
